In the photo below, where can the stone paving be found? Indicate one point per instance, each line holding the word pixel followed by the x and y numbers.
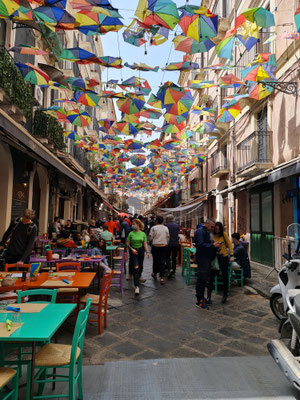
pixel 163 322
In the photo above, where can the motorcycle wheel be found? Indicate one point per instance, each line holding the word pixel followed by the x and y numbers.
pixel 276 305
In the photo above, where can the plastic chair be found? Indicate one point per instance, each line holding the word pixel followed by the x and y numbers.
pixel 54 355
pixel 17 268
pixel 186 245
pixel 191 269
pixel 68 266
pixel 99 301
pixel 219 280
pixel 7 375
pixel 117 280
pixel 51 293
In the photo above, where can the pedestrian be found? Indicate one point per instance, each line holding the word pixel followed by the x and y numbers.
pixel 118 228
pixel 110 225
pixel 224 246
pixel 22 233
pixel 172 250
pixel 137 245
pixel 106 235
pixel 125 229
pixel 240 255
pixel 159 236
pixel 204 254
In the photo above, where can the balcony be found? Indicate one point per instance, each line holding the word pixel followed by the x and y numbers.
pixel 219 163
pixel 254 154
pixel 196 187
pixel 182 196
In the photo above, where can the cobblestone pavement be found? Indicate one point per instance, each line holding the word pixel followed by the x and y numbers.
pixel 163 322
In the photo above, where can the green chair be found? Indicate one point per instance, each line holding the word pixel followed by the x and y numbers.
pixel 237 274
pixel 55 356
pixel 191 269
pixel 7 375
pixel 184 260
pixel 51 293
pixel 219 280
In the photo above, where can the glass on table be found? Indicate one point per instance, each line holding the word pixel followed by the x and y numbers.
pixel 16 318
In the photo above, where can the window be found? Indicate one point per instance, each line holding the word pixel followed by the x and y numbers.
pixel 255 212
pixel 267 212
pixel 224 163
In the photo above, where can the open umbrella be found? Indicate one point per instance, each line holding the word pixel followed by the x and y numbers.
pixel 229 114
pixel 158 12
pixel 131 104
pixel 256 73
pixel 267 59
pixel 169 128
pixel 136 83
pixel 259 91
pixel 57 112
pixel 141 67
pixel 55 16
pixel 8 7
pixel 105 124
pixel 199 84
pixel 78 117
pixel 175 119
pixel 170 144
pixel 93 23
pixel 33 74
pixel 182 65
pixel 110 62
pixel 260 16
pixel 24 49
pixel 125 128
pixel 175 99
pixel 76 54
pixel 80 83
pixel 150 113
pixel 138 160
pixel 22 14
pixel 198 159
pixel 230 81
pixel 200 24
pixel 154 101
pixel 87 98
pixel 71 135
pixel 132 144
pixel 191 46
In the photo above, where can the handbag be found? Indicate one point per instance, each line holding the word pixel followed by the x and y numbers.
pixel 215 264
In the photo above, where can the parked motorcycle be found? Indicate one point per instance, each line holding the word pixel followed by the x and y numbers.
pixel 289 275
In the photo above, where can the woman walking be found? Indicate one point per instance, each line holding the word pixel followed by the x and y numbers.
pixel 137 245
pixel 223 240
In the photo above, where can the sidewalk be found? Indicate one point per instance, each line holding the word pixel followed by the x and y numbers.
pixel 260 281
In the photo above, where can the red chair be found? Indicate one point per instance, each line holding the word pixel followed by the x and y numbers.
pixel 68 294
pixel 17 268
pixel 99 301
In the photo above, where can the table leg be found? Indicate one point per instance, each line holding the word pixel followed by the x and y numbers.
pixel 32 369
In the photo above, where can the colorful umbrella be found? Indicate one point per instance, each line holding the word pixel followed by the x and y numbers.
pixel 198 159
pixel 87 98
pixel 79 117
pixel 154 101
pixel 230 81
pixel 134 35
pixel 256 73
pixel 24 49
pixel 198 84
pixel 138 160
pixel 22 14
pixel 170 144
pixel 93 23
pixel 132 144
pixel 297 18
pixel 139 84
pixel 8 7
pixel 169 128
pixel 150 113
pixel 175 99
pixel 205 127
pixel 33 74
pixel 158 12
pixel 182 66
pixel 85 84
pixel 259 91
pixel 260 16
pixel 174 119
pixel 55 16
pixel 200 24
pixel 266 58
pixel 125 128
pixel 141 67
pixel 57 112
pixel 131 104
pixel 201 110
pixel 229 114
pixel 71 135
pixel 105 124
pixel 76 54
pixel 110 62
pixel 191 46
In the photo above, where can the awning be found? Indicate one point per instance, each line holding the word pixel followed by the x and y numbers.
pixel 285 171
pixel 108 205
pixel 185 207
pixel 159 202
pixel 10 128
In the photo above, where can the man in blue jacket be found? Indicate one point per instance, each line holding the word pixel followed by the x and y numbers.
pixel 204 254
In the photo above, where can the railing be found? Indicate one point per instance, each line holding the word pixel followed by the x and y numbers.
pixel 256 148
pixel 182 195
pixel 196 186
pixel 218 161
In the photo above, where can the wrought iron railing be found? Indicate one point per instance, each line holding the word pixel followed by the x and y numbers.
pixel 256 148
pixel 218 162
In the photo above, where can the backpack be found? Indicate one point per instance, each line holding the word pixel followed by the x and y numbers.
pixel 16 223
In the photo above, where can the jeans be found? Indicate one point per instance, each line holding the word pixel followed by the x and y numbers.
pixel 172 251
pixel 136 264
pixel 203 272
pixel 224 266
pixel 159 260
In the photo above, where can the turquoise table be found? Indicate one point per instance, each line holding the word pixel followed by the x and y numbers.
pixel 38 327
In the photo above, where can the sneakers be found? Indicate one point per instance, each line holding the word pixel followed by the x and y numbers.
pixel 128 277
pixel 142 280
pixel 202 304
pixel 137 290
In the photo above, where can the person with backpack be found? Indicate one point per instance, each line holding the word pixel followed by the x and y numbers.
pixel 22 233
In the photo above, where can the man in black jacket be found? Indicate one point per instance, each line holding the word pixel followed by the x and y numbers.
pixel 172 249
pixel 204 254
pixel 22 232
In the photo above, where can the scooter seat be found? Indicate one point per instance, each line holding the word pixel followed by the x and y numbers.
pixel 297 304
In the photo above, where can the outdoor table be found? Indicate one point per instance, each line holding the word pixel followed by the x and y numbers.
pixel 42 259
pixel 38 327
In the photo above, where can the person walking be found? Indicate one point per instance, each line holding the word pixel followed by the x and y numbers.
pixel 22 232
pixel 159 236
pixel 111 225
pixel 137 245
pixel 222 240
pixel 204 254
pixel 173 245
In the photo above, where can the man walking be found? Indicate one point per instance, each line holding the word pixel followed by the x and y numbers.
pixel 159 236
pixel 172 249
pixel 204 254
pixel 22 232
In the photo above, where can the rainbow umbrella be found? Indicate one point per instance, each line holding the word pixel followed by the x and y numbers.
pixel 181 66
pixel 132 144
pixel 22 14
pixel 230 81
pixel 87 98
pixel 174 98
pixel 229 114
pixel 134 38
pixel 260 16
pixel 110 62
pixel 198 159
pixel 33 74
pixel 259 91
pixel 57 112
pixel 297 18
pixel 141 67
pixel 78 117
pixel 150 113
pixel 256 73
pixel 71 135
pixel 75 54
pixel 267 59
pixel 125 128
pixel 198 84
pixel 200 24
pixel 93 23
pixel 170 144
pixel 158 12
pixel 154 101
pixel 8 7
pixel 191 46
pixel 131 104
pixel 156 144
pixel 138 160
pixel 55 16
pixel 136 83
pixel 169 128
pixel 24 49
pixel 105 124
pixel 85 84
pixel 201 110
pixel 175 119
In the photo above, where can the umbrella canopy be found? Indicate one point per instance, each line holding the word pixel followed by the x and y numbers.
pixel 79 117
pixel 191 46
pixel 131 104
pixel 132 144
pixel 230 81
pixel 141 67
pixel 182 66
pixel 174 119
pixel 57 112
pixel 260 16
pixel 297 18
pixel 79 83
pixel 158 12
pixel 175 99
pixel 55 16
pixel 199 25
pixel 154 101
pixel 258 91
pixel 138 160
pixel 169 128
pixel 198 159
pixel 266 58
pixel 71 135
pixel 205 127
pixel 110 62
pixel 33 74
pixel 93 23
pixel 75 54
pixel 198 84
pixel 136 38
pixel 22 14
pixel 150 113
pixel 8 7
pixel 125 128
pixel 229 114
pixel 170 144
pixel 256 73
pixel 105 124
pixel 24 49
pixel 87 98
pixel 136 83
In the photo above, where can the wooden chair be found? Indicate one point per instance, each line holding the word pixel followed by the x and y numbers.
pixel 99 301
pixel 191 269
pixel 237 273
pixel 17 268
pixel 118 268
pixel 51 293
pixel 54 355
pixel 182 245
pixel 7 375
pixel 70 266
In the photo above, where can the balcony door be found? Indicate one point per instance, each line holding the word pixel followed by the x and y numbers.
pixel 262 138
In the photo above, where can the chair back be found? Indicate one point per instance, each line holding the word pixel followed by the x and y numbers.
pixel 78 337
pixel 68 266
pixel 80 251
pixel 104 290
pixel 17 268
pixel 52 293
pixel 62 253
pixel 186 257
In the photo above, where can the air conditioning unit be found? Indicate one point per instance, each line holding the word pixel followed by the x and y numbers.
pixel 39 95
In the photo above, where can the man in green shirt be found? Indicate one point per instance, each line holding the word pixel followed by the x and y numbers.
pixel 106 235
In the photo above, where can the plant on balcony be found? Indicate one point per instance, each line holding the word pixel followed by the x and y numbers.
pixel 12 82
pixel 46 126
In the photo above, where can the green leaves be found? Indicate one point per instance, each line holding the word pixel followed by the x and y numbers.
pixel 46 126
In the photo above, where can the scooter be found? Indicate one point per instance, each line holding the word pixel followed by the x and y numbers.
pixel 288 277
